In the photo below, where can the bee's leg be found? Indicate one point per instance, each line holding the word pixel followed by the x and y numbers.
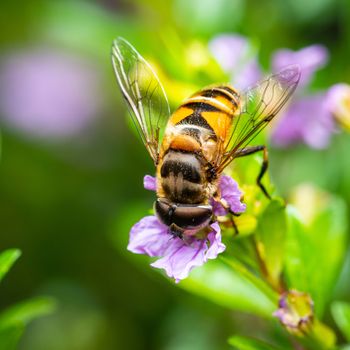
pixel 234 225
pixel 176 231
pixel 251 150
pixel 232 214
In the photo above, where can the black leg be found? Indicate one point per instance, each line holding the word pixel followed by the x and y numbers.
pixel 232 215
pixel 251 150
pixel 233 222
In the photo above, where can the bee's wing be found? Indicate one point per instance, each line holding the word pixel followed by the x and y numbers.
pixel 260 104
pixel 143 92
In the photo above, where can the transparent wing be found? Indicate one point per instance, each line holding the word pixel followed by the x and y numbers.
pixel 143 92
pixel 259 105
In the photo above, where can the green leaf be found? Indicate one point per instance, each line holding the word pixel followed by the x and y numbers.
pixel 231 288
pixel 271 235
pixel 24 312
pixel 315 248
pixel 321 336
pixel 9 337
pixel 341 315
pixel 244 343
pixel 7 259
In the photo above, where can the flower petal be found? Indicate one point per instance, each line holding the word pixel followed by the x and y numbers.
pixel 236 57
pixel 247 75
pixel 49 93
pixel 150 183
pixel 215 245
pixel 231 194
pixel 295 311
pixel 310 59
pixel 307 120
pixel 149 236
pixel 338 100
pixel 181 257
pixel 228 50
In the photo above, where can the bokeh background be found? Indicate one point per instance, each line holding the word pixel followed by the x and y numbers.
pixel 71 167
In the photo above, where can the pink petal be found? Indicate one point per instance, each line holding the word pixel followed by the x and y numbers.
pixel 338 100
pixel 231 194
pixel 307 120
pixel 181 257
pixel 215 245
pixel 229 50
pixel 150 183
pixel 47 93
pixel 248 75
pixel 235 55
pixel 310 59
pixel 150 237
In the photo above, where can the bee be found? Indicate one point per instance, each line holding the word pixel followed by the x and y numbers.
pixel 192 146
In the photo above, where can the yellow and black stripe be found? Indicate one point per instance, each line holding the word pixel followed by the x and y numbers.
pixel 211 108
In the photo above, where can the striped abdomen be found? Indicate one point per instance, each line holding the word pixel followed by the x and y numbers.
pixel 190 143
pixel 212 108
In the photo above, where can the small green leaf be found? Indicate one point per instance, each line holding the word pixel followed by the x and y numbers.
pixel 341 315
pixel 271 235
pixel 24 312
pixel 229 288
pixel 244 343
pixel 9 337
pixel 7 259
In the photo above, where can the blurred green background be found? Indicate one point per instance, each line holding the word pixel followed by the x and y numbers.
pixel 71 168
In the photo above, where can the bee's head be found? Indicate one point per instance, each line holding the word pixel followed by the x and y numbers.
pixel 182 217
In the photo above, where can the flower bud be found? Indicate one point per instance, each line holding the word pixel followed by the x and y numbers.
pixel 295 312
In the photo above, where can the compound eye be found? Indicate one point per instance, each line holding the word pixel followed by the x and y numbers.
pixel 189 217
pixel 182 215
pixel 163 211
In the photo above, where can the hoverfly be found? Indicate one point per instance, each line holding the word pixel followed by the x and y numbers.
pixel 192 146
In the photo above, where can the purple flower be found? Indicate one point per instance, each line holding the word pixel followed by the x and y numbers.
pixel 179 256
pixel 149 183
pixel 338 99
pixel 231 194
pixel 310 59
pixel 237 57
pixel 307 118
pixel 295 312
pixel 48 93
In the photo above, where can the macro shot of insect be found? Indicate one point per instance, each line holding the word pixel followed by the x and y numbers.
pixel 192 146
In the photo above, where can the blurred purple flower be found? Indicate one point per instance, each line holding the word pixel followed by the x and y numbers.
pixel 310 59
pixel 237 58
pixel 48 93
pixel 179 256
pixel 307 118
pixel 338 98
